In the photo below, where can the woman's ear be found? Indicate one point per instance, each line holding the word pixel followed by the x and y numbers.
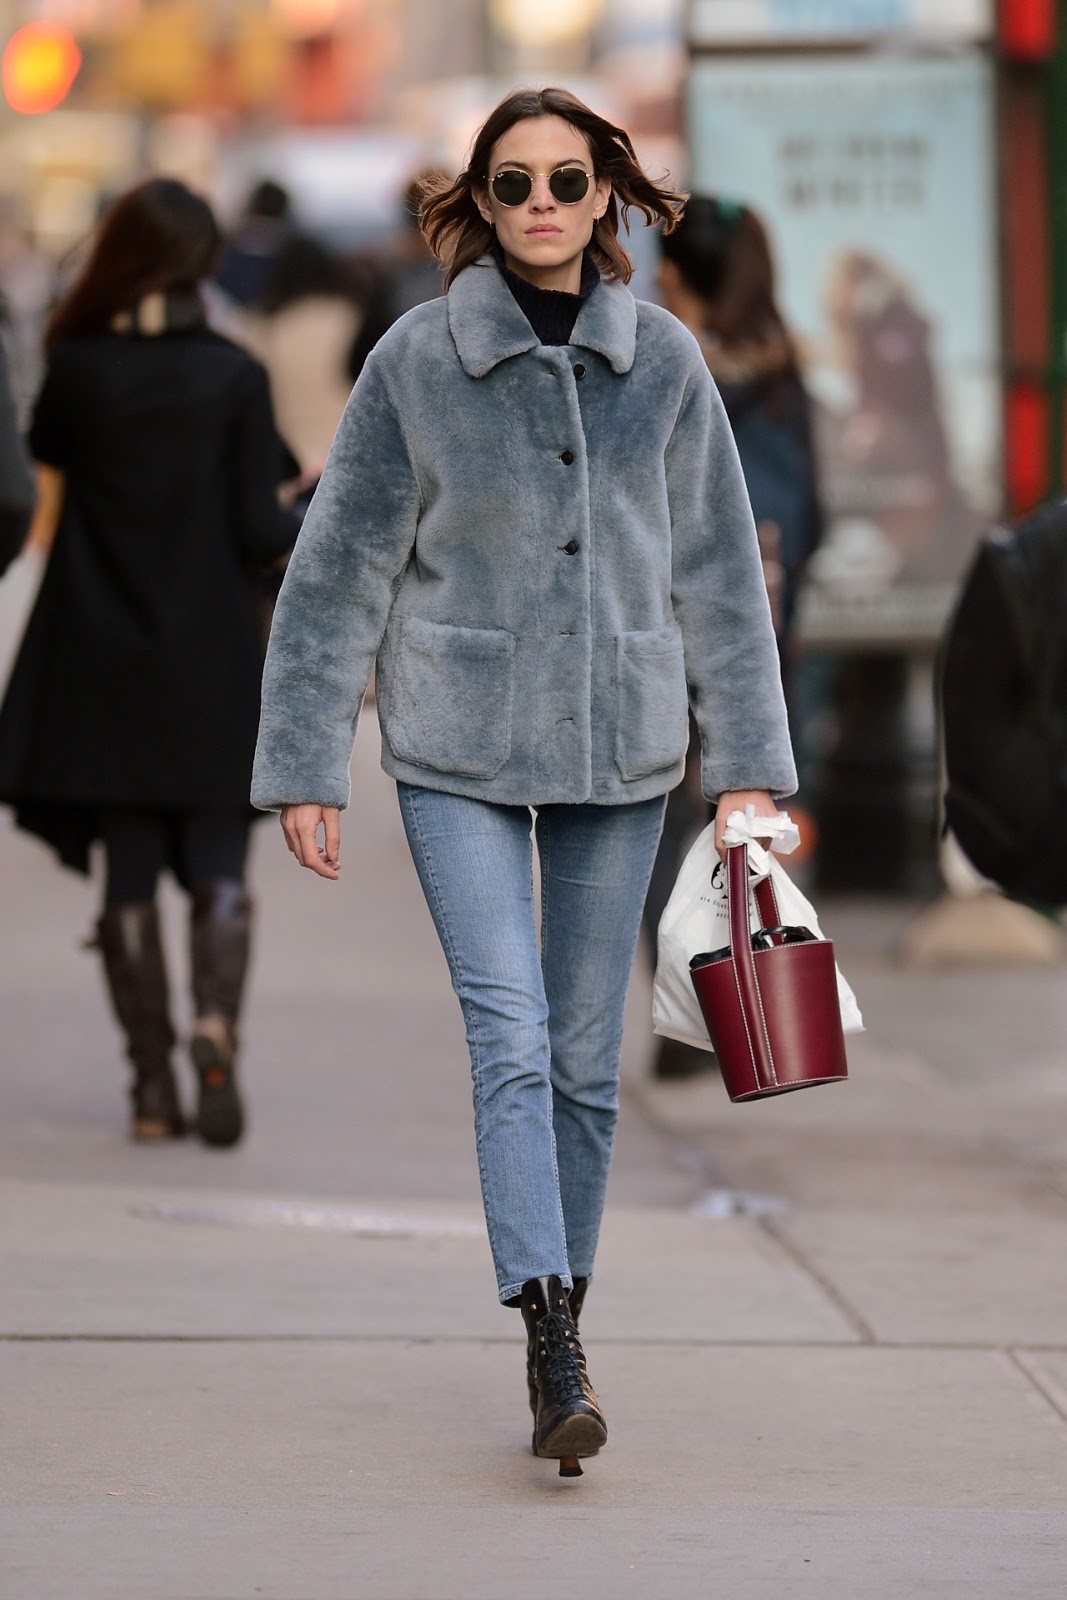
pixel 603 195
pixel 481 200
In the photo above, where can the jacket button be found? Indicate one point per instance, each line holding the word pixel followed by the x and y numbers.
pixel 571 547
pixel 579 371
pixel 567 457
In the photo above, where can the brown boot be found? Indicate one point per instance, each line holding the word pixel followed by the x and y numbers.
pixel 128 938
pixel 220 932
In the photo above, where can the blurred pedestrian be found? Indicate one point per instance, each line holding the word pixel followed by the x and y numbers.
pixel 249 254
pixel 534 516
pixel 408 276
pixel 1003 702
pixel 716 275
pixel 301 330
pixel 27 290
pixel 131 712
pixel 16 482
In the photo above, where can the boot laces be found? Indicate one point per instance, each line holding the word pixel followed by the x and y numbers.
pixel 562 1357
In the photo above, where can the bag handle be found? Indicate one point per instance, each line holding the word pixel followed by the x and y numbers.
pixel 766 902
pixel 744 964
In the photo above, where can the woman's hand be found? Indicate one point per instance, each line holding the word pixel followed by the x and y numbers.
pixel 736 800
pixel 300 824
pixel 51 488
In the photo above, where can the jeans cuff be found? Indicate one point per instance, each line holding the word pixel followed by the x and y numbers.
pixel 511 1293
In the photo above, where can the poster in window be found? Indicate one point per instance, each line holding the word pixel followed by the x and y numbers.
pixel 875 176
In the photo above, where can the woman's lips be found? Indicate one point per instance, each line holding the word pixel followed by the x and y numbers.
pixel 546 231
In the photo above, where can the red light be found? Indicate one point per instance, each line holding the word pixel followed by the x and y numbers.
pixel 40 63
pixel 1027 28
pixel 1027 443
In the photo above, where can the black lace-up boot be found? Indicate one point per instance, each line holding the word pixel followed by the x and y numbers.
pixel 576 1300
pixel 568 1421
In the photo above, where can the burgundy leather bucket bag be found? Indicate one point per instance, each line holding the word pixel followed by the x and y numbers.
pixel 770 999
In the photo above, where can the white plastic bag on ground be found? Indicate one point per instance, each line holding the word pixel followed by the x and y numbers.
pixel 697 919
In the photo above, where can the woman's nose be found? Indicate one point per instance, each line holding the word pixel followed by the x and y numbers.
pixel 541 196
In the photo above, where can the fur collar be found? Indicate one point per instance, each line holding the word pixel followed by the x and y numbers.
pixel 488 326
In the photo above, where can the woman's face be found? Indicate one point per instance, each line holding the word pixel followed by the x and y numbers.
pixel 542 237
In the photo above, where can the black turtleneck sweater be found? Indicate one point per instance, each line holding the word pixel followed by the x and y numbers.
pixel 551 313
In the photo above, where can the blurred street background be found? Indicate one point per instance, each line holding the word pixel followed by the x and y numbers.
pixel 281 1370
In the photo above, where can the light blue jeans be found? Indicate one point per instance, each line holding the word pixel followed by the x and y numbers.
pixel 544 1026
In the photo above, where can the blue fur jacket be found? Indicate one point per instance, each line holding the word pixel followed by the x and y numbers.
pixel 550 551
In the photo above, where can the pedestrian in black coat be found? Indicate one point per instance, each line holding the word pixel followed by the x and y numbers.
pixel 132 709
pixel 16 484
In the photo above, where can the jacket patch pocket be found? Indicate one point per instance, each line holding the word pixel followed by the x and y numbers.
pixel 652 730
pixel 450 702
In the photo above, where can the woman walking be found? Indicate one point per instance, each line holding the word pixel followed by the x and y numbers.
pixel 131 713
pixel 716 275
pixel 534 518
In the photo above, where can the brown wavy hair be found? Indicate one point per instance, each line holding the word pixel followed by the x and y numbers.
pixel 457 233
pixel 157 236
pixel 723 254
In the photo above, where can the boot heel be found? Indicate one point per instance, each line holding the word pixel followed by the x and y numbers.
pixel 220 1118
pixel 569 1468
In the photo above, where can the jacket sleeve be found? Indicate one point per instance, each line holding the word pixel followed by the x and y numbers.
pixel 54 413
pixel 16 482
pixel 720 601
pixel 261 462
pixel 334 604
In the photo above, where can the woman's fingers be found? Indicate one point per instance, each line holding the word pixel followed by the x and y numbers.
pixel 307 833
pixel 331 819
pixel 311 856
pixel 737 800
pixel 300 825
pixel 304 830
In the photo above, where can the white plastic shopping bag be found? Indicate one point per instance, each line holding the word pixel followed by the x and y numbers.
pixel 697 919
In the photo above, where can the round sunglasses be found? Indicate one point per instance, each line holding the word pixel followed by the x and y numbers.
pixel 568 185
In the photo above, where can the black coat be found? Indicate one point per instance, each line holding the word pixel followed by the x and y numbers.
pixel 1003 702
pixel 137 682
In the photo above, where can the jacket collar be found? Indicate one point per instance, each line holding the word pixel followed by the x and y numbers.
pixel 488 327
pixel 164 311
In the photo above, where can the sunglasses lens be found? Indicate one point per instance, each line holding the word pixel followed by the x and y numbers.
pixel 569 185
pixel 512 188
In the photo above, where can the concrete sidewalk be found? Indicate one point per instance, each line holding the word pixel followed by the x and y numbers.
pixel 829 1330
